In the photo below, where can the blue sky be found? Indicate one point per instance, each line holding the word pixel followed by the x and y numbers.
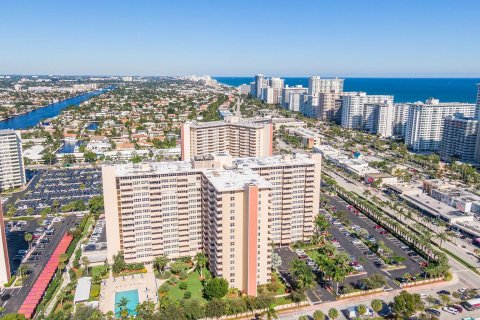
pixel 422 38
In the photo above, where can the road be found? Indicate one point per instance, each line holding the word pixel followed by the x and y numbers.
pixel 13 298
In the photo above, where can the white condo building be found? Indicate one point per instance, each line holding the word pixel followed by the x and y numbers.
pixel 425 123
pixel 12 170
pixel 317 85
pixel 358 110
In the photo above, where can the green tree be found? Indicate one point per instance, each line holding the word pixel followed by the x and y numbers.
pixel 271 313
pixel 146 310
pixel 362 309
pixel 85 263
pixel 333 313
pixel 160 263
pixel 406 304
pixel 318 315
pixel 90 156
pixel 201 262
pixel 215 308
pixel 28 237
pixel 49 158
pixel 193 309
pixel 122 307
pixel 83 312
pixel 216 288
pixel 376 305
pixel 303 274
pixel 13 316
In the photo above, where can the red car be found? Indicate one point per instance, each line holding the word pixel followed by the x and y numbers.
pixel 378 227
pixel 383 232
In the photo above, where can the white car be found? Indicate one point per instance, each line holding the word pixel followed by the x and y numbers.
pixel 450 310
pixel 462 290
pixel 356 241
pixel 423 295
pixel 358 267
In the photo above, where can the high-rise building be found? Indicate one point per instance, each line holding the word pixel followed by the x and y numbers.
pixel 477 150
pixel 459 139
pixel 330 105
pixel 244 89
pixel 12 170
pixel 357 110
pixel 317 85
pixel 400 117
pixel 424 128
pixel 383 119
pixel 230 209
pixel 239 138
pixel 4 260
pixel 260 83
pixel 287 98
pixel 268 95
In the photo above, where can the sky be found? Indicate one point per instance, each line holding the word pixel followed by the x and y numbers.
pixel 372 38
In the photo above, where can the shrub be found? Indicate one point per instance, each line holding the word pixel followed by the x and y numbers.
pixel 183 275
pixel 164 288
pixel 183 286
pixel 67 306
pixel 95 291
pixel 187 295
pixel 177 267
pixel 216 288
pixel 273 285
pixel 172 281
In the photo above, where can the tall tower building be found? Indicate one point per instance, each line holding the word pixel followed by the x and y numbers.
pixel 424 128
pixel 459 139
pixel 12 170
pixel 230 209
pixel 317 85
pixel 259 85
pixel 238 138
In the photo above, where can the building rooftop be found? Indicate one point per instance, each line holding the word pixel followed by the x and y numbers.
pixel 152 167
pixel 298 158
pixel 235 179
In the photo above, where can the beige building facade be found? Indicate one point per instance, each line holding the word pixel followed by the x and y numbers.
pixel 231 209
pixel 237 137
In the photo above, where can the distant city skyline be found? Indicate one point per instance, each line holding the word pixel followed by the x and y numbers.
pixel 347 38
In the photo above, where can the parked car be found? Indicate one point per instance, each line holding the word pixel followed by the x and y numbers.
pixel 446 292
pixel 450 310
pixel 433 312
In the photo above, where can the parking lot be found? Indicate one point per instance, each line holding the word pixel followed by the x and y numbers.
pixel 364 261
pixel 411 261
pixel 42 249
pixel 63 186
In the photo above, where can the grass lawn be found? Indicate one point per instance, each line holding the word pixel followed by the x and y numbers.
pixel 97 270
pixel 282 300
pixel 194 285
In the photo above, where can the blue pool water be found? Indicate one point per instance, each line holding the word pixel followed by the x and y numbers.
pixel 132 297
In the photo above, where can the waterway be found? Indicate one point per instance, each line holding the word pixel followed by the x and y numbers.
pixel 34 117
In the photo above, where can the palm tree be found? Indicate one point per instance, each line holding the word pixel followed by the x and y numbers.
pixel 271 313
pixel 122 306
pixel 160 263
pixel 376 305
pixel 28 237
pixel 85 263
pixel 333 313
pixel 201 262
pixel 338 275
pixel 22 270
pixel 442 236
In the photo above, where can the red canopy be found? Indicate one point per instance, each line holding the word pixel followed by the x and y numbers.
pixel 38 289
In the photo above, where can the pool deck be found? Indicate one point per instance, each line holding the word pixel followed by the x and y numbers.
pixel 145 283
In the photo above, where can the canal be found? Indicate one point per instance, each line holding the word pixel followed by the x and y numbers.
pixel 34 117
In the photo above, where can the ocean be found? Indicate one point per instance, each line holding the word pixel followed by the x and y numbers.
pixel 403 89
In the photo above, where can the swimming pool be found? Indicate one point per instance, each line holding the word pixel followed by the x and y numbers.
pixel 131 296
